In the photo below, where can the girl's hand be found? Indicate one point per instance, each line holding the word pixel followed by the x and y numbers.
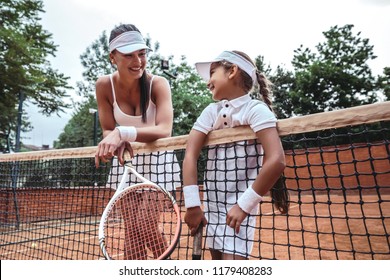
pixel 235 217
pixel 194 217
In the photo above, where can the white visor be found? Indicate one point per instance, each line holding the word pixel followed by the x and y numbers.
pixel 128 42
pixel 203 68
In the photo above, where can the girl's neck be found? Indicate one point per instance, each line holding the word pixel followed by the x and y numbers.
pixel 236 94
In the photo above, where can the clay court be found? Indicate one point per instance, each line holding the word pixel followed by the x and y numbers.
pixel 310 231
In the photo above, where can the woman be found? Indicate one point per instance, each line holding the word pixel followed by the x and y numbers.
pixel 139 102
pixel 135 105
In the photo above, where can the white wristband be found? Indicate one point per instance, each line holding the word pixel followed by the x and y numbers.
pixel 127 133
pixel 191 196
pixel 249 200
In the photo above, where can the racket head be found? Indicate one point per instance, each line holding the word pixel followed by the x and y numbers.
pixel 142 222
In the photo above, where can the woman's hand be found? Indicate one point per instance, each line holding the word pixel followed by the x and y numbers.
pixel 112 145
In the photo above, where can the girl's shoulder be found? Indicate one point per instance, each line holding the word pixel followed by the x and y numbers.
pixel 259 110
pixel 259 105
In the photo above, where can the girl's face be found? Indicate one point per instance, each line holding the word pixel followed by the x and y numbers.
pixel 133 64
pixel 218 82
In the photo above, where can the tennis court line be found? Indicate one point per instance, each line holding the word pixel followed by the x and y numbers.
pixel 45 246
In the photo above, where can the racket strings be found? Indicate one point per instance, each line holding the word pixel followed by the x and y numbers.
pixel 141 225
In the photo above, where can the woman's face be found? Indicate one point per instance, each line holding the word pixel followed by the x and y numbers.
pixel 133 64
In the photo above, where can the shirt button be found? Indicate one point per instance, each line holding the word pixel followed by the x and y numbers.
pixel 225 123
pixel 224 116
pixel 227 105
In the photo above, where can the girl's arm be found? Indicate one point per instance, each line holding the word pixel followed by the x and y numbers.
pixel 273 166
pixel 194 214
pixel 274 163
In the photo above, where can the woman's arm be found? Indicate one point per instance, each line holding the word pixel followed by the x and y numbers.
pixel 111 143
pixel 111 138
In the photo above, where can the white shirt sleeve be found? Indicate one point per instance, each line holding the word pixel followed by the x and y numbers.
pixel 206 120
pixel 261 117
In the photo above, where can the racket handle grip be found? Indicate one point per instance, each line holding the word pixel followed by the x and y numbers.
pixel 197 246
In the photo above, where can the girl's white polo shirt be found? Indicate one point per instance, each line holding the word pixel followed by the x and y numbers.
pixel 240 111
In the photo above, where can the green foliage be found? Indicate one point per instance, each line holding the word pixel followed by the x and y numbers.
pixel 79 131
pixel 336 76
pixel 384 82
pixel 283 80
pixel 190 96
pixel 24 48
pixel 96 63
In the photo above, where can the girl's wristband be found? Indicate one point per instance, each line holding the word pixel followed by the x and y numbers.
pixel 249 200
pixel 191 196
pixel 127 133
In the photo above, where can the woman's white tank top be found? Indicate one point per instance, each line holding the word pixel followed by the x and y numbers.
pixel 127 120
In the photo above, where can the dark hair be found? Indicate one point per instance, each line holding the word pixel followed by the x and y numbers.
pixel 279 193
pixel 247 82
pixel 143 82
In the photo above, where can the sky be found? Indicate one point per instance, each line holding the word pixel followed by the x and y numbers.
pixel 202 29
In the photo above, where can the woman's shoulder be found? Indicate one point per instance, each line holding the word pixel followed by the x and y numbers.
pixel 103 86
pixel 160 87
pixel 158 80
pixel 103 81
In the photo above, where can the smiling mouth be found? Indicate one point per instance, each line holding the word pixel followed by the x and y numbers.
pixel 135 69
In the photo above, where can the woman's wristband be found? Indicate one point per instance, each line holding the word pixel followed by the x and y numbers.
pixel 127 133
pixel 249 200
pixel 191 196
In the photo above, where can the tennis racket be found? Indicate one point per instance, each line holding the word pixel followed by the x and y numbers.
pixel 197 246
pixel 140 222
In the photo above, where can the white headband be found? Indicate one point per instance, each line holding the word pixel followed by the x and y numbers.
pixel 203 68
pixel 128 42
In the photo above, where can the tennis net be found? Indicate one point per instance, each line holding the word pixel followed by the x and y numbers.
pixel 337 176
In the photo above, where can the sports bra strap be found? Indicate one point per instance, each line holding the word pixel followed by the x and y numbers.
pixel 112 89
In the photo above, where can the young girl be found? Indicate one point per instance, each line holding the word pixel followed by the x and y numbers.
pixel 135 105
pixel 233 193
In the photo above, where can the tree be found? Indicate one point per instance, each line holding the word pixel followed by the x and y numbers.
pixel 384 83
pixel 79 131
pixel 190 96
pixel 282 81
pixel 336 76
pixel 25 72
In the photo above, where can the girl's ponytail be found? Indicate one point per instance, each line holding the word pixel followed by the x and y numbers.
pixel 265 89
